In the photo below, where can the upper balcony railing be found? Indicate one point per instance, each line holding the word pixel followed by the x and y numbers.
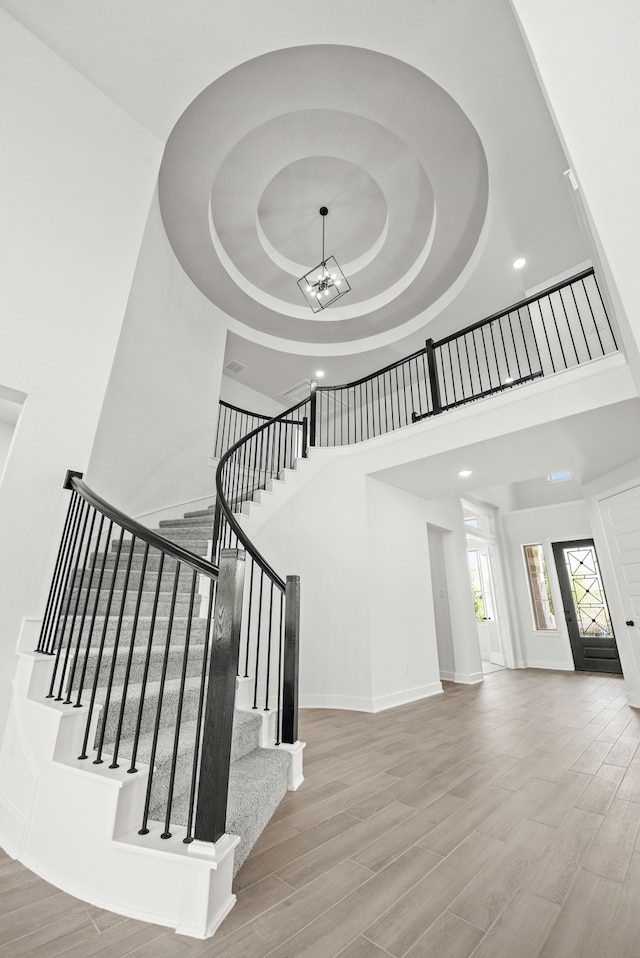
pixel 566 325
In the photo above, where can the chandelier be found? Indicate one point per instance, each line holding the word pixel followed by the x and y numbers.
pixel 326 283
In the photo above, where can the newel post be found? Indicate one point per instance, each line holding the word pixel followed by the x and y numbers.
pixel 291 661
pixel 312 413
pixel 434 383
pixel 211 809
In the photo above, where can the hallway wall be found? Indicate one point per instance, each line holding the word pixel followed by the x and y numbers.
pixel 78 174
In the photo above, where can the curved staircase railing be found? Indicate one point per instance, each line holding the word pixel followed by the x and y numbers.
pixel 141 629
pixel 271 614
pixel 566 325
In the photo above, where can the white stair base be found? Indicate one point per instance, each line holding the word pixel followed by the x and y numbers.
pixel 77 827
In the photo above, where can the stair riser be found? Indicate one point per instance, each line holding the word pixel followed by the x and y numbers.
pixel 135 575
pixel 178 632
pixel 171 529
pixel 147 601
pixel 196 544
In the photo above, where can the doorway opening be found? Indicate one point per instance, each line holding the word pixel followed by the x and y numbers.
pixel 486 589
pixel 586 612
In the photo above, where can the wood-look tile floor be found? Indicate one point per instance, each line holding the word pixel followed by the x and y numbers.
pixel 496 821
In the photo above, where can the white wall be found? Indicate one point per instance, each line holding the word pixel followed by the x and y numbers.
pixel 77 175
pixel 547 524
pixel 402 628
pixel 6 435
pixel 360 546
pixel 586 56
pixel 244 397
pixel 157 427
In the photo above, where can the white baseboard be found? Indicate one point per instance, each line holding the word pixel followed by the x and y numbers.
pixel 464 678
pixel 394 699
pixel 361 704
pixel 633 700
pixel 13 827
pixel 558 666
pixel 469 678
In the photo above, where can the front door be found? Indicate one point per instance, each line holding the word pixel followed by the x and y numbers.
pixel 585 607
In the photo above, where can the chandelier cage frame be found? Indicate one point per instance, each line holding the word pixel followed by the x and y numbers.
pixel 325 283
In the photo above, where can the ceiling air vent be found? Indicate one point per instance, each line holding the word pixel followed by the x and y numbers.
pixel 233 366
pixel 298 392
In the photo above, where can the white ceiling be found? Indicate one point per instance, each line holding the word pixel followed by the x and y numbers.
pixel 588 444
pixel 422 121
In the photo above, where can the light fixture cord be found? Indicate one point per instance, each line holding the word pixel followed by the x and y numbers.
pixel 323 260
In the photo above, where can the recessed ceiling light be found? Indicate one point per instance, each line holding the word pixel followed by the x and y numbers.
pixel 319 373
pixel 464 473
pixel 519 262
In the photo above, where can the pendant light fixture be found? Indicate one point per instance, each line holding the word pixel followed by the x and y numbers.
pixel 326 283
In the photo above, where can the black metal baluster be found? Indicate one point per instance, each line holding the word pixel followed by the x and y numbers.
pixel 249 612
pixel 147 661
pixel 557 328
pixel 258 632
pixel 44 641
pixel 132 643
pixel 430 377
pixel 313 412
pixel 504 348
pixel 280 668
pixel 495 357
pixel 93 612
pixel 103 634
pixel 114 655
pixel 65 594
pixel 535 338
pixel 595 325
pixel 178 718
pixel 71 587
pixel 584 335
pixel 85 605
pixel 269 633
pixel 404 394
pixel 156 727
pixel 573 343
pixel 604 308
pixel 469 367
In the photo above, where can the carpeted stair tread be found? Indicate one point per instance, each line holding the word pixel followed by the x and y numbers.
pixel 257 784
pixel 138 660
pixel 245 738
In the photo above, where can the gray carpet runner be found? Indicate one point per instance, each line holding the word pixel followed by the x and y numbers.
pixel 258 778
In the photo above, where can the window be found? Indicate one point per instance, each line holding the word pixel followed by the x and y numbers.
pixel 539 591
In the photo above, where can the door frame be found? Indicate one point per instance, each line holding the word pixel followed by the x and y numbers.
pixel 558 548
pixel 595 494
pixel 503 614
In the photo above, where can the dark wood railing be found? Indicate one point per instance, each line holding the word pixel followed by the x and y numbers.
pixel 563 326
pixel 269 641
pixel 145 638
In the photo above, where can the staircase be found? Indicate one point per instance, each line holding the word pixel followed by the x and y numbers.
pixel 172 693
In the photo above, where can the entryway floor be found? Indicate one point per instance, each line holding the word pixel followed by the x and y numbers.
pixel 494 821
pixel 489 667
